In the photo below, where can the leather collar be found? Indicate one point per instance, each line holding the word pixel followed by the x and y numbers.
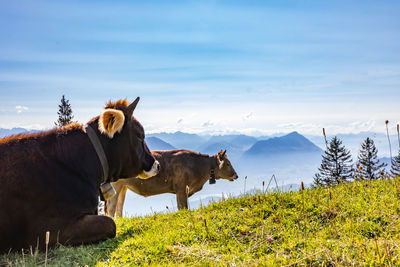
pixel 94 139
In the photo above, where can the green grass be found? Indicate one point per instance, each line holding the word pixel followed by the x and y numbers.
pixel 357 223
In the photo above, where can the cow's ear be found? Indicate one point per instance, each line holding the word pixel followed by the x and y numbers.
pixel 221 155
pixel 111 121
pixel 132 107
pixel 220 159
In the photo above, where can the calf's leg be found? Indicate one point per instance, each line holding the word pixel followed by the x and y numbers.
pixel 121 201
pixel 182 199
pixel 111 203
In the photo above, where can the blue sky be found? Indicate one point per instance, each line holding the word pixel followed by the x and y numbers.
pixel 254 67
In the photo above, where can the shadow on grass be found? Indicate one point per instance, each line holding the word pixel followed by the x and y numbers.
pixel 68 255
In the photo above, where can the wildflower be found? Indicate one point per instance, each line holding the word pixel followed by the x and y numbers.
pixel 270 239
pixel 324 214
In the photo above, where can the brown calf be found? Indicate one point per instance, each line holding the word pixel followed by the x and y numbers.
pixel 50 181
pixel 182 173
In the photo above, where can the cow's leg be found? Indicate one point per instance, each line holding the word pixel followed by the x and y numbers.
pixel 88 229
pixel 121 201
pixel 111 203
pixel 182 199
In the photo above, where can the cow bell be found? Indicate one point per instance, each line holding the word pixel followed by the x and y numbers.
pixel 212 177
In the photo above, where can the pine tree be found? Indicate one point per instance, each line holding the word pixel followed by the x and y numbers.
pixel 317 181
pixel 395 169
pixel 368 163
pixel 64 113
pixel 336 165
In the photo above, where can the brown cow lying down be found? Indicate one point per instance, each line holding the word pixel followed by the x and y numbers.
pixel 179 169
pixel 49 181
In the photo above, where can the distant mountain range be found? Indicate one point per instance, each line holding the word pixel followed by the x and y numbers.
pixel 180 140
pixel 236 145
pixel 155 143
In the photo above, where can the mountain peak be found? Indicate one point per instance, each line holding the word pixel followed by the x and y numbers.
pixel 294 133
pixel 290 143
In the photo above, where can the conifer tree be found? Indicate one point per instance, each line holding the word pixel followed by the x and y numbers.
pixel 64 113
pixel 317 181
pixel 368 163
pixel 395 169
pixel 336 165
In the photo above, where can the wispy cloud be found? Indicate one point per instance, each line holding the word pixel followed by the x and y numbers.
pixel 21 109
pixel 207 124
pixel 248 116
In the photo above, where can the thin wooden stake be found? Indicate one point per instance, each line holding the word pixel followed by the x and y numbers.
pixel 245 179
pixel 326 142
pixel 390 146
pixel 47 246
pixel 263 183
pixel 23 258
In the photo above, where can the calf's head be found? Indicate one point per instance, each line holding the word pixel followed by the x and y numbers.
pixel 225 168
pixel 122 137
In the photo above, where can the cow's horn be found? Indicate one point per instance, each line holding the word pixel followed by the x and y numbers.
pixel 132 106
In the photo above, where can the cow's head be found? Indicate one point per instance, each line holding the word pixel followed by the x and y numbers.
pixel 225 168
pixel 122 137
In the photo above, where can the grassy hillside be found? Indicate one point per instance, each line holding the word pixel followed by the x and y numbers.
pixel 357 223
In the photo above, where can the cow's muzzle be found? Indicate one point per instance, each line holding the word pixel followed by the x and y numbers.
pixel 152 172
pixel 233 177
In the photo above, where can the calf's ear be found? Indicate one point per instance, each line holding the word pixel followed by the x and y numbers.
pixel 111 121
pixel 220 158
pixel 221 155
